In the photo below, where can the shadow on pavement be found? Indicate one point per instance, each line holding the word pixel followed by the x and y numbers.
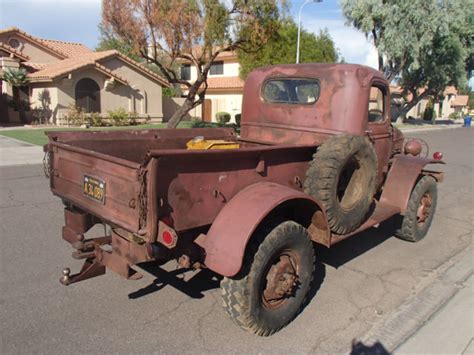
pixel 205 280
pixel 358 348
pixel 356 245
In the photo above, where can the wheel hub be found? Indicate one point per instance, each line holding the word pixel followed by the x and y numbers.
pixel 423 209
pixel 282 280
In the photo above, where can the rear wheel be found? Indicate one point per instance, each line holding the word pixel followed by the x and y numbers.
pixel 275 279
pixel 420 210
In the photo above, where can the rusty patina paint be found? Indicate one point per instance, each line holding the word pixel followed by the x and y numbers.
pixel 341 107
pixel 221 196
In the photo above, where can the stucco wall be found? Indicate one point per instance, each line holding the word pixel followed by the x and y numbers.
pixel 51 108
pixel 226 102
pixel 120 96
pixel 231 68
pixel 32 50
pixel 147 93
pixel 172 104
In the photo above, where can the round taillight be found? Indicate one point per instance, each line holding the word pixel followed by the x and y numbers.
pixel 437 155
pixel 167 238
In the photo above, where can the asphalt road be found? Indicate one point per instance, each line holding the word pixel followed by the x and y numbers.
pixel 360 281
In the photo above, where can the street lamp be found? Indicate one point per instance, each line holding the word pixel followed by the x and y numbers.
pixel 299 29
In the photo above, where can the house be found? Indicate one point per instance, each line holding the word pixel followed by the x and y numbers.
pixel 224 91
pixel 65 74
pixel 451 102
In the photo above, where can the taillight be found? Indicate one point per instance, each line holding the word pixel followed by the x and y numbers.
pixel 437 155
pixel 167 238
pixel 167 235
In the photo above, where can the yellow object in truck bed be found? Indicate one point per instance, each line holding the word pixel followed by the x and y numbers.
pixel 200 143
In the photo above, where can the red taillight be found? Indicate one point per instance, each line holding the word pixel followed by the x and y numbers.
pixel 437 155
pixel 167 238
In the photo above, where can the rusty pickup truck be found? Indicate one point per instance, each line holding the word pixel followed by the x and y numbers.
pixel 317 161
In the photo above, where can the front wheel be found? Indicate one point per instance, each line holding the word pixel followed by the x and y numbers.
pixel 274 282
pixel 420 210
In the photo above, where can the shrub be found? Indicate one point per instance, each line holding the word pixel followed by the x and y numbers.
pixel 222 117
pixel 428 114
pixel 237 119
pixel 118 117
pixel 132 119
pixel 454 115
pixel 75 115
pixel 96 119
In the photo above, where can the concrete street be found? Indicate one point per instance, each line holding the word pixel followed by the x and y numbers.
pixel 364 284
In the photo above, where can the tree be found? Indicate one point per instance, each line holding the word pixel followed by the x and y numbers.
pixel 108 41
pixel 281 49
pixel 423 45
pixel 18 79
pixel 196 31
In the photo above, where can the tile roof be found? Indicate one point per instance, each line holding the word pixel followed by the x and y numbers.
pixel 51 71
pixel 224 83
pixel 450 90
pixel 54 70
pixel 69 49
pixel 460 100
pixel 98 56
pixel 34 66
pixel 60 48
pixel 11 50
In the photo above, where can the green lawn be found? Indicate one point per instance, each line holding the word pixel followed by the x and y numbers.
pixel 38 137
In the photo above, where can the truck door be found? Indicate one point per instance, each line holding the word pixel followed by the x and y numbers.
pixel 378 128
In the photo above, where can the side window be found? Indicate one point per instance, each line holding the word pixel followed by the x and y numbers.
pixel 217 68
pixel 186 72
pixel 376 105
pixel 291 91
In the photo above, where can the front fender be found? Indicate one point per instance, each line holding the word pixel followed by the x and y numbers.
pixel 402 177
pixel 230 232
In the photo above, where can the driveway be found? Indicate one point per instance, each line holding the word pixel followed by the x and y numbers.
pixel 14 152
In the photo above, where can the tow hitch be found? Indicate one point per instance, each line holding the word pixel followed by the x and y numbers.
pixel 90 269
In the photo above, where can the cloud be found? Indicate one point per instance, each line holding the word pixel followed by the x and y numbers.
pixel 352 44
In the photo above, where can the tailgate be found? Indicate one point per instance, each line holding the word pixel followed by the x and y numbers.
pixel 103 185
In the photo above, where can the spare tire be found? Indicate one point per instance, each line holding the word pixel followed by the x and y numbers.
pixel 342 177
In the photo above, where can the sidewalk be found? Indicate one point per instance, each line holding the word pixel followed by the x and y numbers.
pixel 437 320
pixel 14 152
pixel 450 330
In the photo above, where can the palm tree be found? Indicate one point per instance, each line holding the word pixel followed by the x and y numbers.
pixel 17 78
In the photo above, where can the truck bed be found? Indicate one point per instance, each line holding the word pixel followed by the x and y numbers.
pixel 149 174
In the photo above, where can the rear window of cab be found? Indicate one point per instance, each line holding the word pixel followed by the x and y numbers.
pixel 290 91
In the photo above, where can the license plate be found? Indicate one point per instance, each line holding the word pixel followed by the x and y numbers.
pixel 94 188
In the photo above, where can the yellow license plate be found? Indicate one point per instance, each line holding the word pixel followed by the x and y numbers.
pixel 94 188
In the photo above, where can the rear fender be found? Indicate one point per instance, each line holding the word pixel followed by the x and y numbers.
pixel 402 177
pixel 228 236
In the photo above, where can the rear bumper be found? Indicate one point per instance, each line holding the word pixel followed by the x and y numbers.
pixel 116 252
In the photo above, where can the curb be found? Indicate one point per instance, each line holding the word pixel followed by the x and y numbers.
pixel 419 308
pixel 429 128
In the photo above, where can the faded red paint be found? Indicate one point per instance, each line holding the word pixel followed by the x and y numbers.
pixel 217 198
pixel 240 217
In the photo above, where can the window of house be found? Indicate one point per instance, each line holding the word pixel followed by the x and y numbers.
pixel 217 68
pixel 14 43
pixel 186 72
pixel 87 95
pixel 291 91
pixel 376 105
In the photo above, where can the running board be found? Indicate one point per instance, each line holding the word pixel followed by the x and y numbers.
pixel 381 213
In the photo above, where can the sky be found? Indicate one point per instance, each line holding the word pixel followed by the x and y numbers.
pixel 77 20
